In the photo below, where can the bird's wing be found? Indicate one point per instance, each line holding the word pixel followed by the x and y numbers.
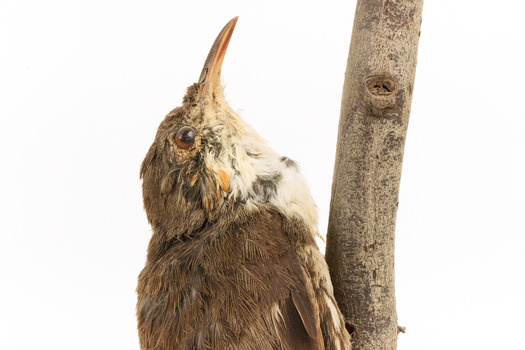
pixel 296 324
pixel 296 318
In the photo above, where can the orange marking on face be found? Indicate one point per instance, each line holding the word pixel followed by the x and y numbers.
pixel 224 180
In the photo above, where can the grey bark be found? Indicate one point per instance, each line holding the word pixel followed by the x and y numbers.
pixel 375 107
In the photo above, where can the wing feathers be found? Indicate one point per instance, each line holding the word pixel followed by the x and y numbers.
pixel 291 329
pixel 297 316
pixel 309 316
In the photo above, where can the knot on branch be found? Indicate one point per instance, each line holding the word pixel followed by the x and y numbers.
pixel 381 94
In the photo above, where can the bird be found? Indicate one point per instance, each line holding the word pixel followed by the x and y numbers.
pixel 232 262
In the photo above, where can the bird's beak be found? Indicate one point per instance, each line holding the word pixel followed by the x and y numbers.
pixel 212 67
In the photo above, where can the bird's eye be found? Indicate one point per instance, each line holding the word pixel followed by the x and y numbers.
pixel 185 137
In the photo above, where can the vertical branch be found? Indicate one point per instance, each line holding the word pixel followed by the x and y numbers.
pixel 375 107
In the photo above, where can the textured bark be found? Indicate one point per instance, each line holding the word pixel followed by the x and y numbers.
pixel 375 108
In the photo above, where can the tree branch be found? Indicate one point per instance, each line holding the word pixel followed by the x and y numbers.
pixel 375 108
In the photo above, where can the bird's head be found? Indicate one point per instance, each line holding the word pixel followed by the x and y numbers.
pixel 206 162
pixel 188 169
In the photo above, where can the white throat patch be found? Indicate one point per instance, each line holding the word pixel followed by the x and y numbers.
pixel 257 174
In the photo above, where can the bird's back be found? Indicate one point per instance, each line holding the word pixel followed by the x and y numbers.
pixel 240 287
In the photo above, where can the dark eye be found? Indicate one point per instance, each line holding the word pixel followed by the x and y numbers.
pixel 185 137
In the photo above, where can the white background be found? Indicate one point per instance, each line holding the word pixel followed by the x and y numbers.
pixel 84 85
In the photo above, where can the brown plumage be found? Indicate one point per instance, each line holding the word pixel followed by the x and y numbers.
pixel 232 263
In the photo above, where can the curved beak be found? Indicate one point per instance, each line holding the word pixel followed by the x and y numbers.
pixel 212 67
